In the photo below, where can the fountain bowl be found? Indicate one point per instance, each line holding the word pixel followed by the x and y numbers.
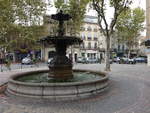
pixel 57 91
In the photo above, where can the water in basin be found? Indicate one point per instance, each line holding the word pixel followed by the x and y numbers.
pixel 44 78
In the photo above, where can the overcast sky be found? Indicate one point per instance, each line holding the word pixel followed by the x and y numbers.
pixel 140 3
pixel 136 3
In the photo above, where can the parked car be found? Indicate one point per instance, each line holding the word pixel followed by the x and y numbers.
pixel 131 61
pixel 26 60
pixel 90 60
pixel 141 60
pixel 123 60
pixel 81 60
pixel 49 60
pixel 116 59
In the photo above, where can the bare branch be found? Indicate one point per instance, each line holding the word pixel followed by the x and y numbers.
pixel 99 7
pixel 101 27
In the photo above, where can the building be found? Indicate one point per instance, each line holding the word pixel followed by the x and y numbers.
pixel 121 48
pixel 93 46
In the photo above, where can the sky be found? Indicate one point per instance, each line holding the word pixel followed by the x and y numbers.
pixel 136 3
pixel 140 3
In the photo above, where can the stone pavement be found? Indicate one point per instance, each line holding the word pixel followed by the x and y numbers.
pixel 128 93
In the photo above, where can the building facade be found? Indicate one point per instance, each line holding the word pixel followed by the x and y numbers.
pixel 93 45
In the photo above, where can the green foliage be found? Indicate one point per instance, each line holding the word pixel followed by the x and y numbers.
pixel 77 9
pixel 59 4
pixel 28 11
pixel 19 22
pixel 26 38
pixel 129 26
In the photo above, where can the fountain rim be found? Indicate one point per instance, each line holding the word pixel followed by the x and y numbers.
pixel 103 74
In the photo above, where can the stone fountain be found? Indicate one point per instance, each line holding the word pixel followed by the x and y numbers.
pixel 59 81
pixel 61 66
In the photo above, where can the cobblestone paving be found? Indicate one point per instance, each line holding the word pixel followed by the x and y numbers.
pixel 128 93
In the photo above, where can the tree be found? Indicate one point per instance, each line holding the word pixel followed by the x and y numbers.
pixel 16 20
pixel 24 38
pixel 77 10
pixel 129 26
pixel 101 7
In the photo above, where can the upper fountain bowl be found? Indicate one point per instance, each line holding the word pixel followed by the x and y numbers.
pixel 67 40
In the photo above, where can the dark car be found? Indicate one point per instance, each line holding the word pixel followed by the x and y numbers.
pixel 141 60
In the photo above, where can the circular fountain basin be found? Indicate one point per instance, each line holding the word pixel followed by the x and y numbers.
pixel 84 84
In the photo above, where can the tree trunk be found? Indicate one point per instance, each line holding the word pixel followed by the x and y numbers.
pixel 107 55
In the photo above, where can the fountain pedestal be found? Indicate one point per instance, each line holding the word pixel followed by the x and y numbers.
pixel 60 68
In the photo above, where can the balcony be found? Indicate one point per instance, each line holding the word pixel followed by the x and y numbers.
pixel 89 48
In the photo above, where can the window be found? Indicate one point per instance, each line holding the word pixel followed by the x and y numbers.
pixel 89 45
pixel 95 45
pixel 89 29
pixel 82 29
pixel 95 30
pixel 95 38
pixel 83 45
pixel 89 38
pixel 83 54
pixel 88 55
pixel 83 37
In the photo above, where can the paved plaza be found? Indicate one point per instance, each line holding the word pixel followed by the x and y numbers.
pixel 129 92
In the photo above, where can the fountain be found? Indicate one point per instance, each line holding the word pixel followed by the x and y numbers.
pixel 61 67
pixel 59 81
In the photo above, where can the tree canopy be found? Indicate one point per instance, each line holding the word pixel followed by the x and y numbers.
pixel 15 19
pixel 77 10
pixel 129 26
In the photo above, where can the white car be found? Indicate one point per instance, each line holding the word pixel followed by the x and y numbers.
pixel 131 61
pixel 49 60
pixel 26 60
